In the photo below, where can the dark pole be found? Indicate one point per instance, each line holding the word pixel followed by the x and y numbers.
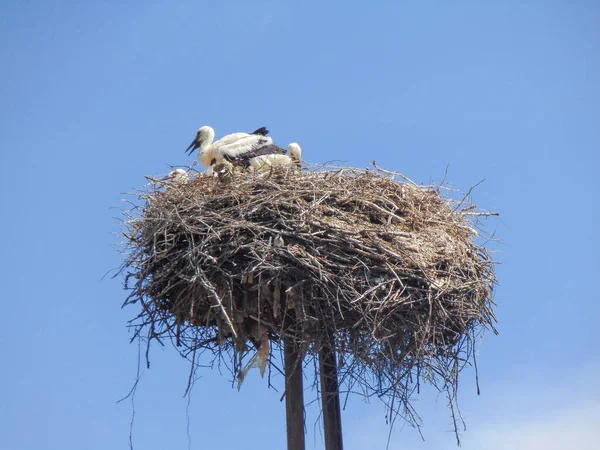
pixel 294 395
pixel 330 396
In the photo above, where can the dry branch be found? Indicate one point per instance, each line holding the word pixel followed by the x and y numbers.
pixel 391 268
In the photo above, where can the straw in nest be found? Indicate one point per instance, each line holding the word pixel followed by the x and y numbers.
pixel 389 268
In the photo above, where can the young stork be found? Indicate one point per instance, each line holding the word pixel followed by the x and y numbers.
pixel 232 147
pixel 240 149
pixel 177 176
pixel 265 162
pixel 173 180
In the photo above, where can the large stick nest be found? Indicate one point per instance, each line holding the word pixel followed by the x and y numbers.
pixel 390 268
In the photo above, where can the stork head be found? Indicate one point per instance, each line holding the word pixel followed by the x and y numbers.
pixel 204 136
pixel 294 152
pixel 179 176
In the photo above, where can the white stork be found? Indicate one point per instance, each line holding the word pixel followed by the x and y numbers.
pixel 177 176
pixel 265 162
pixel 174 179
pixel 237 148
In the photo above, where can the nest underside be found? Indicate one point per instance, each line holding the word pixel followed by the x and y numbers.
pixel 390 269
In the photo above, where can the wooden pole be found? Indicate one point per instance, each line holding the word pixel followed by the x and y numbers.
pixel 330 396
pixel 294 394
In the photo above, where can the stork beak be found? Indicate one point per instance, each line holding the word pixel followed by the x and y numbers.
pixel 193 146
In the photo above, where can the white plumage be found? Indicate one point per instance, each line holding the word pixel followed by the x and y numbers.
pixel 174 179
pixel 178 176
pixel 242 149
pixel 295 152
pixel 265 162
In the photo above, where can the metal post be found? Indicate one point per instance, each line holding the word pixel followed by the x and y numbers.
pixel 294 395
pixel 330 396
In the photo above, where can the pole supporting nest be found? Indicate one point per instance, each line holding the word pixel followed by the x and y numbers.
pixel 390 274
pixel 294 395
pixel 330 395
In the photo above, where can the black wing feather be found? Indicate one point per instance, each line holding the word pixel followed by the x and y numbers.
pixel 262 131
pixel 244 159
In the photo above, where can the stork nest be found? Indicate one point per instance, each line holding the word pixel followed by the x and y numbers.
pixel 389 268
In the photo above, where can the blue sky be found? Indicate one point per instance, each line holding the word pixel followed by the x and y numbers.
pixel 95 95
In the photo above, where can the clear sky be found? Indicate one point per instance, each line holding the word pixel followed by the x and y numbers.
pixel 95 95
